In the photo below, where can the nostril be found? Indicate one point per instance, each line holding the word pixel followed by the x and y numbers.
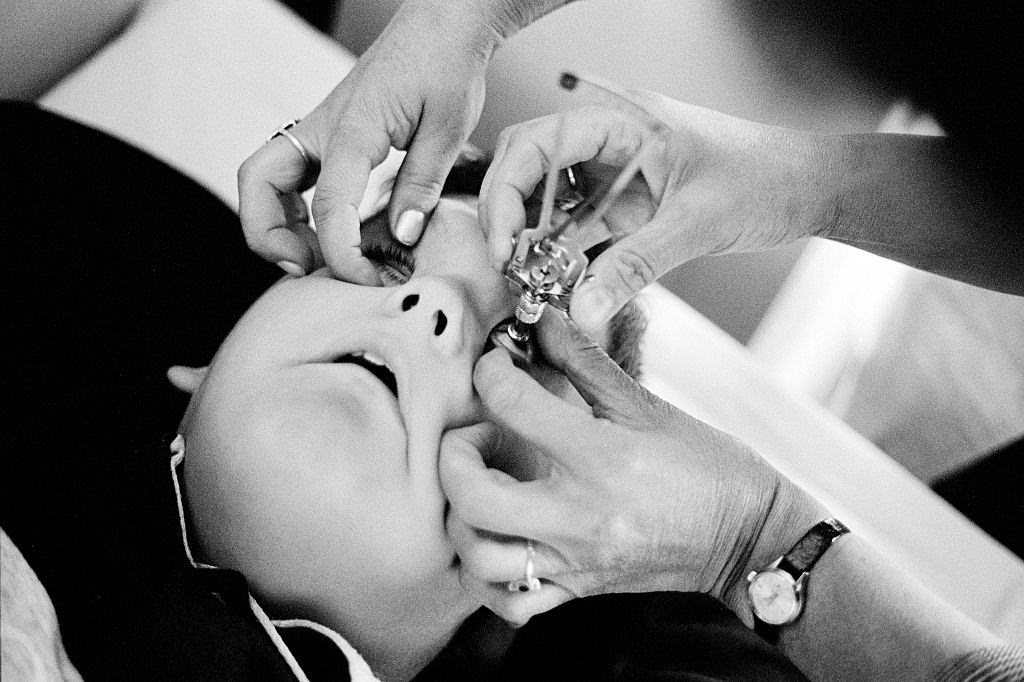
pixel 440 324
pixel 409 302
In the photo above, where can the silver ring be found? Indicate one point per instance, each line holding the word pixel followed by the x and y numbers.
pixel 528 583
pixel 283 130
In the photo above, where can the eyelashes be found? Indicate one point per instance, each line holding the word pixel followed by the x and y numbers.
pixel 394 264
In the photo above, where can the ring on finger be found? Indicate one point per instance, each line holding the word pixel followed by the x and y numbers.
pixel 528 582
pixel 284 130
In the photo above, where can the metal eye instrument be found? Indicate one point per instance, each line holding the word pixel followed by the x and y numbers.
pixel 548 261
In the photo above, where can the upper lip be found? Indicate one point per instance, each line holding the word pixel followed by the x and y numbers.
pixel 375 364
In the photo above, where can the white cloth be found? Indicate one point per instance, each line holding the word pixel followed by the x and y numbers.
pixel 30 645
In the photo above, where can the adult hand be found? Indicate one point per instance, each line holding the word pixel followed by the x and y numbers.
pixel 709 184
pixel 638 497
pixel 419 87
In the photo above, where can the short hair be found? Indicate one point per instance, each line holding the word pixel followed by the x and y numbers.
pixel 625 329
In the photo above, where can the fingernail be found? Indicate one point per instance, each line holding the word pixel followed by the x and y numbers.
pixel 591 308
pixel 293 269
pixel 409 227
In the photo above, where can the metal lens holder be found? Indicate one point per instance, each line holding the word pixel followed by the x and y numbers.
pixel 546 269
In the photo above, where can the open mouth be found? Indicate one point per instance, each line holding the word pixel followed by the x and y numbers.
pixel 375 365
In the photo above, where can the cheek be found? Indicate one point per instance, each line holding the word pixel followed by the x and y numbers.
pixel 350 546
pixel 326 426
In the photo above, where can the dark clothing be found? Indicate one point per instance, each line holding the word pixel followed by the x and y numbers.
pixel 117 268
pixel 988 492
pixel 658 636
pixel 958 60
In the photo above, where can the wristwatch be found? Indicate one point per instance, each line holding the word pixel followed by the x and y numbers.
pixel 776 593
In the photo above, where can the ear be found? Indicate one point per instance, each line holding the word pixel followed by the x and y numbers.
pixel 187 379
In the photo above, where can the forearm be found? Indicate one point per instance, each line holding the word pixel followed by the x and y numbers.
pixel 44 40
pixel 913 199
pixel 865 619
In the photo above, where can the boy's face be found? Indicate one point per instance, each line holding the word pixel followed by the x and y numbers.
pixel 311 475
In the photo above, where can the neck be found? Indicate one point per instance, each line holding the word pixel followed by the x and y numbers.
pixel 399 631
pixel 409 652
pixel 400 652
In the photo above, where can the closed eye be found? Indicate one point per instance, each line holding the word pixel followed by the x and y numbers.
pixel 394 264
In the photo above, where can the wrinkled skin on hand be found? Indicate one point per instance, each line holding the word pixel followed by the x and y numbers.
pixel 708 184
pixel 419 87
pixel 636 495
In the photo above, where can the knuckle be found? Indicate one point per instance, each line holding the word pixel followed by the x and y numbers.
pixel 323 205
pixel 256 240
pixel 421 184
pixel 508 399
pixel 246 170
pixel 585 350
pixel 503 137
pixel 632 270
pixel 585 358
pixel 522 138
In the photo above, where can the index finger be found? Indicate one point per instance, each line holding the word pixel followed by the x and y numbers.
pixel 516 402
pixel 266 180
pixel 343 179
pixel 603 384
pixel 486 498
pixel 525 154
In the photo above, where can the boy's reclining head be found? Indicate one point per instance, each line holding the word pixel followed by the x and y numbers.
pixel 312 443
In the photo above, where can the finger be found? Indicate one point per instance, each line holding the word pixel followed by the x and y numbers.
pixel 518 608
pixel 496 156
pixel 499 558
pixel 346 167
pixel 611 392
pixel 622 270
pixel 498 234
pixel 592 133
pixel 421 178
pixel 489 499
pixel 268 181
pixel 519 404
pixel 299 225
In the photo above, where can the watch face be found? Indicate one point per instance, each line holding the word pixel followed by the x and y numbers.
pixel 773 597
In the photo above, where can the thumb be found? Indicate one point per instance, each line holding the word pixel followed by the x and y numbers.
pixel 344 173
pixel 617 275
pixel 418 186
pixel 605 386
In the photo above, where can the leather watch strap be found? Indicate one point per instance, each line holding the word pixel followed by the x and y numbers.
pixel 766 631
pixel 805 553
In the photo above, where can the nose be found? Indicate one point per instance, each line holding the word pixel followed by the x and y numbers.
pixel 434 310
